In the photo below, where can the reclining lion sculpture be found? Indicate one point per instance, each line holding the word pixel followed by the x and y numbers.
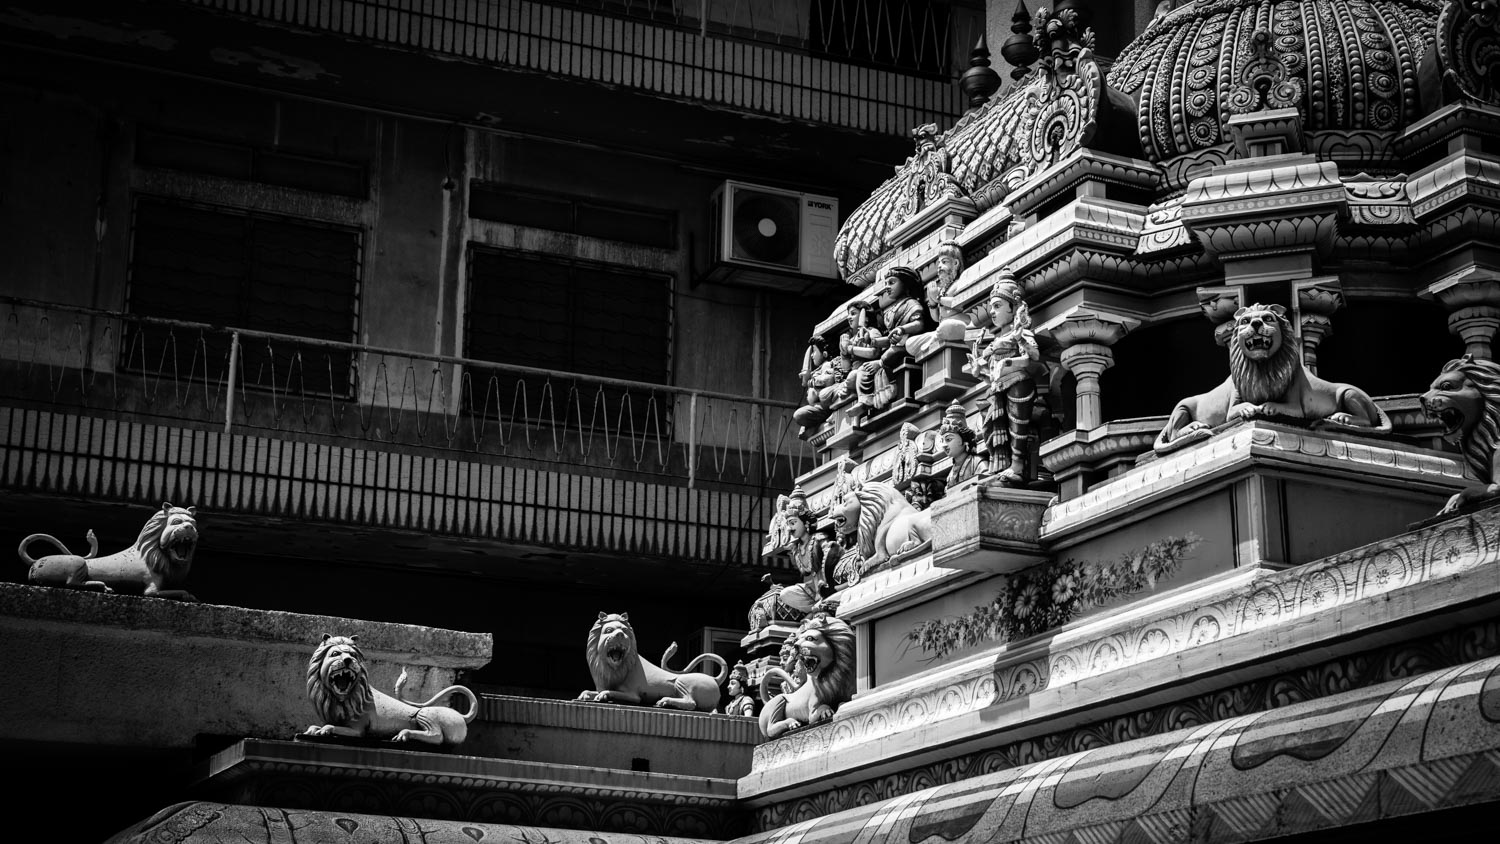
pixel 160 558
pixel 1267 379
pixel 824 649
pixel 622 675
pixel 885 524
pixel 1465 399
pixel 338 683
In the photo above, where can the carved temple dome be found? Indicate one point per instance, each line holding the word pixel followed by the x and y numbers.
pixel 1354 63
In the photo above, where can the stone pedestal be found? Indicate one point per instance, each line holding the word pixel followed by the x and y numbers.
pixel 988 528
pixel 943 375
pixel 1259 494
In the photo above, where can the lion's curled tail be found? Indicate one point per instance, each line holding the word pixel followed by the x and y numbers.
pixel 469 716
pixel 43 537
pixel 719 677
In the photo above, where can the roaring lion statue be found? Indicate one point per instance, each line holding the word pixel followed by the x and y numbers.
pixel 160 557
pixel 1267 379
pixel 1465 399
pixel 886 523
pixel 338 684
pixel 622 675
pixel 825 649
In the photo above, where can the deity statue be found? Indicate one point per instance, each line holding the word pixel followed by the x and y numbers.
pixel 740 700
pixel 860 346
pixel 901 318
pixel 1003 357
pixel 943 309
pixel 822 375
pixel 958 442
pixel 813 553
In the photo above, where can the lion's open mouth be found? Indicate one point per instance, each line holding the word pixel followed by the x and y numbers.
pixel 179 546
pixel 1258 343
pixel 809 663
pixel 341 681
pixel 615 654
pixel 1451 418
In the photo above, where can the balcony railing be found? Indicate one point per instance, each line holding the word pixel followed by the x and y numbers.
pixel 881 65
pixel 262 382
pixel 125 407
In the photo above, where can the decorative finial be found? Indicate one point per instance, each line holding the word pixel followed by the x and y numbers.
pixel 1264 82
pixel 1019 50
pixel 980 81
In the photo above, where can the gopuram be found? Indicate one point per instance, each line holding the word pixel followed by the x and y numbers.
pixel 1120 468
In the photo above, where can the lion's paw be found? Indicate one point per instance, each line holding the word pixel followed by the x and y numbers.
pixel 1244 410
pixel 401 736
pixel 1342 418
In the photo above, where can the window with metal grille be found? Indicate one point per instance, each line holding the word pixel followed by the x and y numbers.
pixel 243 270
pixel 572 318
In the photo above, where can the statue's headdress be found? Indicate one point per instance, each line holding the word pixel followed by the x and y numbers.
pixel 1007 288
pixel 741 673
pixel 795 504
pixel 956 421
pixel 911 281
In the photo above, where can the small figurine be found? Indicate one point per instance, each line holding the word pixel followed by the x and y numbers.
pixel 958 443
pixel 824 649
pixel 952 322
pixel 740 700
pixel 1268 380
pixel 160 558
pixel 1003 357
pixel 901 313
pixel 1465 400
pixel 338 684
pixel 822 375
pixel 860 345
pixel 813 553
pixel 622 675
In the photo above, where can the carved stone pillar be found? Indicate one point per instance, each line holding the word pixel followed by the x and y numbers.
pixel 1086 335
pixel 1317 299
pixel 1473 303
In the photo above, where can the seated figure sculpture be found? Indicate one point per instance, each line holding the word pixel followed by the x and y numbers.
pixel 812 553
pixel 1268 380
pixel 952 323
pixel 822 375
pixel 861 346
pixel 1465 400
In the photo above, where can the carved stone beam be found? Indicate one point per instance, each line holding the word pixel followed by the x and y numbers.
pixel 1086 335
pixel 1317 299
pixel 1219 305
pixel 1472 298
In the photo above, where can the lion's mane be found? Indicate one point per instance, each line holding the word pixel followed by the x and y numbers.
pixel 835 682
pixel 149 542
pixel 1261 381
pixel 1479 441
pixel 605 675
pixel 874 500
pixel 332 708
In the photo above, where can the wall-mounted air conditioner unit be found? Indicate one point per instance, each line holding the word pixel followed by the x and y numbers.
pixel 768 237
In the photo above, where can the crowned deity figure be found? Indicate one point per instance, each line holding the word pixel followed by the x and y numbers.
pixel 741 702
pixel 813 553
pixel 901 317
pixel 958 443
pixel 822 374
pixel 952 322
pixel 1004 356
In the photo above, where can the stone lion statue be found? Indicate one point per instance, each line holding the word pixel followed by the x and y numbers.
pixel 160 558
pixel 622 675
pixel 338 684
pixel 1465 399
pixel 825 649
pixel 1267 379
pixel 886 523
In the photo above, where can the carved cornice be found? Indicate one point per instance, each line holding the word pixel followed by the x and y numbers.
pixel 1265 206
pixel 1084 165
pixel 1460 178
pixel 618 720
pixel 1111 442
pixel 1378 202
pixel 1238 618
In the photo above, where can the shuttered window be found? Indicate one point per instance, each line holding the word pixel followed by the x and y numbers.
pixel 236 269
pixel 568 317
